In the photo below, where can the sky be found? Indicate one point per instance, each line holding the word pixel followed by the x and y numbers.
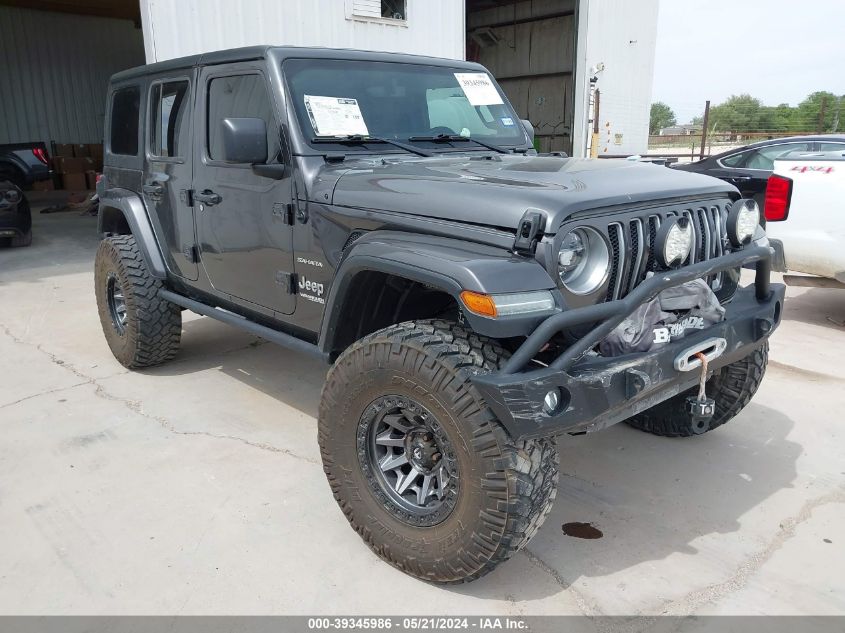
pixel 776 50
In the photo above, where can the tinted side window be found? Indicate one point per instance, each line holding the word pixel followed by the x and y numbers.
pixel 239 96
pixel 764 158
pixel 832 147
pixel 169 119
pixel 737 160
pixel 125 108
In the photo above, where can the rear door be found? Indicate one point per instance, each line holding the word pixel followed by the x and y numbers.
pixel 167 178
pixel 244 234
pixel 750 170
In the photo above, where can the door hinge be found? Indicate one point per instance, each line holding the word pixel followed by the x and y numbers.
pixel 284 211
pixel 528 232
pixel 192 254
pixel 287 281
pixel 187 197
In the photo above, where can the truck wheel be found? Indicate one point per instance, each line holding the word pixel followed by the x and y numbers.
pixel 417 461
pixel 732 387
pixel 141 328
pixel 26 238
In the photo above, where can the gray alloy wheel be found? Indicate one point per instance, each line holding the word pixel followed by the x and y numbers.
pixel 408 460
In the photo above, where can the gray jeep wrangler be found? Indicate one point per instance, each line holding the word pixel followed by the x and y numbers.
pixel 389 215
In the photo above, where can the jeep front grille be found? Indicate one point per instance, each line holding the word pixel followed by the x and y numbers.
pixel 632 243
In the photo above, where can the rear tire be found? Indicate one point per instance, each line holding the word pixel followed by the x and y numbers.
pixel 141 328
pixel 383 397
pixel 732 387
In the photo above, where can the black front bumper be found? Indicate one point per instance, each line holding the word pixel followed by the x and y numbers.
pixel 599 391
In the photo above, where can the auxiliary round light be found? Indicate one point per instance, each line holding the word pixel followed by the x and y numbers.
pixel 583 261
pixel 674 241
pixel 743 219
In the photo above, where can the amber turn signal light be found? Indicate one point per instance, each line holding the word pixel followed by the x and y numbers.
pixel 479 303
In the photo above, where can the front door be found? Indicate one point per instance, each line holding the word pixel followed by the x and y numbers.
pixel 243 231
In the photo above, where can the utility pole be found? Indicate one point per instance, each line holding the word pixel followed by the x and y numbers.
pixel 821 115
pixel 704 125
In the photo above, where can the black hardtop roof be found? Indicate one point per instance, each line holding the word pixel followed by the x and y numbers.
pixel 281 53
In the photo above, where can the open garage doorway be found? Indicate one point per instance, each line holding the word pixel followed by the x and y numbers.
pixel 57 57
pixel 529 46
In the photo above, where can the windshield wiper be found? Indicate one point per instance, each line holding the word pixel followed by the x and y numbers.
pixel 446 138
pixel 360 139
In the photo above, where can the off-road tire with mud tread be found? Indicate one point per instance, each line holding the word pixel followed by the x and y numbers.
pixel 506 487
pixel 732 387
pixel 153 326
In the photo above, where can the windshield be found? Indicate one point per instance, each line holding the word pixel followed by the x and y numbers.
pixel 337 98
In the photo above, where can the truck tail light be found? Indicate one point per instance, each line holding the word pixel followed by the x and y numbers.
pixel 40 153
pixel 778 197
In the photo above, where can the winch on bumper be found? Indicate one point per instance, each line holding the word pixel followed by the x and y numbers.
pixel 588 393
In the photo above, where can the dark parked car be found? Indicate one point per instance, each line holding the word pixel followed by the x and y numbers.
pixel 388 215
pixel 24 163
pixel 749 167
pixel 15 219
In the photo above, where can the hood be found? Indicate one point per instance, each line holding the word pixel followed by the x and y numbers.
pixel 496 191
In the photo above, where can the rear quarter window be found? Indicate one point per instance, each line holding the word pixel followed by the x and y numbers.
pixel 125 113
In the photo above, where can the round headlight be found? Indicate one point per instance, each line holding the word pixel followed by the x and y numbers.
pixel 583 261
pixel 674 241
pixel 742 221
pixel 13 196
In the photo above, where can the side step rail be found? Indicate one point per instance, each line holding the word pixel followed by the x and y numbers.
pixel 274 336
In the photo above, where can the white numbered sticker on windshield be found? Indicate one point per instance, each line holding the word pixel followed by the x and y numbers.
pixel 335 116
pixel 479 89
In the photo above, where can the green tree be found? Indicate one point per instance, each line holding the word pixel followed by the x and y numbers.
pixel 662 116
pixel 809 116
pixel 740 113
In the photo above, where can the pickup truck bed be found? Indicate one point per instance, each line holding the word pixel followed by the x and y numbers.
pixel 804 211
pixel 24 163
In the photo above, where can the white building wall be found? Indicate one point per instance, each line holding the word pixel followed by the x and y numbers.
pixel 622 36
pixel 54 73
pixel 185 27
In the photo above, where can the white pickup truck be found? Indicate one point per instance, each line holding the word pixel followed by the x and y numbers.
pixel 805 211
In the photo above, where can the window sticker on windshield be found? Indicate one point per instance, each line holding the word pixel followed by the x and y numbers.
pixel 335 116
pixel 479 89
pixel 507 121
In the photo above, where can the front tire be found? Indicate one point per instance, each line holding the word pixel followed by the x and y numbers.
pixel 732 387
pixel 141 328
pixel 417 461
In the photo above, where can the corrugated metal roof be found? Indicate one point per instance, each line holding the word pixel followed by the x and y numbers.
pixel 56 69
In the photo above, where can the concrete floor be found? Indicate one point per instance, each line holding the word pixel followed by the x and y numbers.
pixel 196 488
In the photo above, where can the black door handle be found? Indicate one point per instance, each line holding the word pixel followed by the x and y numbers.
pixel 208 197
pixel 153 189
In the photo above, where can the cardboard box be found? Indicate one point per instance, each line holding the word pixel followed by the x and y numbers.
pixel 96 151
pixel 43 185
pixel 65 165
pixel 63 149
pixel 91 179
pixel 73 182
pixel 81 151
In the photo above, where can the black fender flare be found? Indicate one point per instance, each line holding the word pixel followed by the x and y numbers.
pixel 447 264
pixel 132 207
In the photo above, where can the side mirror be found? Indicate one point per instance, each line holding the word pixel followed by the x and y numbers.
pixel 244 140
pixel 528 128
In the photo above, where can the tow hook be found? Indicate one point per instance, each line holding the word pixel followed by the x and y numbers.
pixel 700 407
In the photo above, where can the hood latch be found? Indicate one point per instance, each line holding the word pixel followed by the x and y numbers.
pixel 528 232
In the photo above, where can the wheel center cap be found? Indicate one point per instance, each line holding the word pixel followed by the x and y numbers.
pixel 422 451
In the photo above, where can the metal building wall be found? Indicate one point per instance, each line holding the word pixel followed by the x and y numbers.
pixel 175 29
pixel 621 35
pixel 54 72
